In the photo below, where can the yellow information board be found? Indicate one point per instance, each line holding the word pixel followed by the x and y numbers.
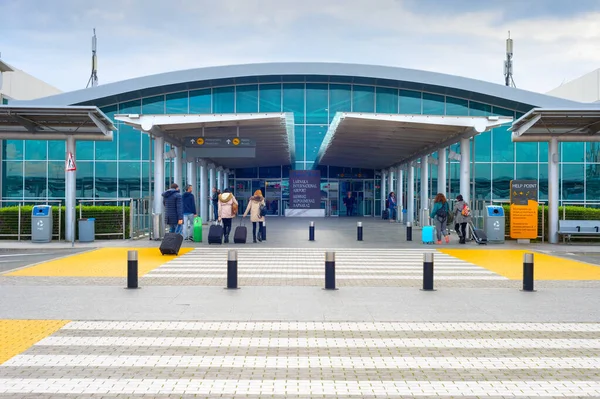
pixel 523 209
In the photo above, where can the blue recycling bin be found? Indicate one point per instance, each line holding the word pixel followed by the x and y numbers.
pixel 87 230
pixel 41 223
pixel 494 224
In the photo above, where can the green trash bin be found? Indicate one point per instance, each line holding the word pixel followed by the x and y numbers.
pixel 197 229
pixel 87 230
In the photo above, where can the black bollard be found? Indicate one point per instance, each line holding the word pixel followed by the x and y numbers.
pixel 428 272
pixel 528 273
pixel 232 270
pixel 359 231
pixel 311 231
pixel 330 270
pixel 408 231
pixel 264 231
pixel 132 269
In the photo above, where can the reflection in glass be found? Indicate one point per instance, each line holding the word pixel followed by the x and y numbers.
pixel 246 99
pixel 13 179
pixel 36 150
pixel 317 97
pixel 293 100
pixel 270 98
pixel 56 179
pixel 386 100
pixel 433 104
pixel 35 179
pixel 363 98
pixel 592 187
pixel 572 182
pixel 177 103
pixel 223 100
pixel 410 102
pixel 106 180
pixel 503 173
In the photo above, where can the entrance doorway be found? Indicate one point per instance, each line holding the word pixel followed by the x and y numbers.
pixel 271 190
pixel 363 193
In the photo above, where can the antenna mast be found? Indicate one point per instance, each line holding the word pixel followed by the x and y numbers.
pixel 94 76
pixel 508 64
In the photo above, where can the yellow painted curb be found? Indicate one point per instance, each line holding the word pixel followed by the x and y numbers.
pixel 509 263
pixel 16 336
pixel 105 262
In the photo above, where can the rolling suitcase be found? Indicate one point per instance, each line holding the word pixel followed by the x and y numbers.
pixel 197 229
pixel 240 234
pixel 171 244
pixel 215 234
pixel 427 235
pixel 385 215
pixel 479 236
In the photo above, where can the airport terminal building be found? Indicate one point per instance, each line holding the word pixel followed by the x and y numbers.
pixel 311 101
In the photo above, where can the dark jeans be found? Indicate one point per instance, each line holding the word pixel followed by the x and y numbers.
pixel 226 226
pixel 260 226
pixel 349 210
pixel 216 210
pixel 461 230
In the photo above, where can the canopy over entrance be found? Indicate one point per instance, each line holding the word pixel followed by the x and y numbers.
pixel 378 141
pixel 541 124
pixel 272 134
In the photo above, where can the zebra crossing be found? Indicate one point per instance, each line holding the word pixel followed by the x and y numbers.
pixel 308 359
pixel 256 265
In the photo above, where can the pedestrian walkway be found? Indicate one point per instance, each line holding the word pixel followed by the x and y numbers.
pixel 308 359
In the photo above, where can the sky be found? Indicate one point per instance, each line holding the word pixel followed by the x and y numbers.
pixel 554 40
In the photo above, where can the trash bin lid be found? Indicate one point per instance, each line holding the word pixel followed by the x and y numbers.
pixel 91 219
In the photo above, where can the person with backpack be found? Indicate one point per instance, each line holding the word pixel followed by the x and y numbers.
pixel 228 207
pixel 439 214
pixel 462 216
pixel 392 206
pixel 258 211
pixel 189 213
pixel 173 203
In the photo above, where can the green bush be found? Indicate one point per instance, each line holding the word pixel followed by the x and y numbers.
pixel 109 220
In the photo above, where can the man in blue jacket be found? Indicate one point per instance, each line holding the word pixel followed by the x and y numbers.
pixel 189 213
pixel 173 209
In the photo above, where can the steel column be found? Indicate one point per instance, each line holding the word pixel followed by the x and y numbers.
pixel 159 184
pixel 424 191
pixel 553 187
pixel 192 178
pixel 177 172
pixel 442 164
pixel 465 170
pixel 70 194
pixel 204 191
pixel 213 183
pixel 399 194
pixel 410 201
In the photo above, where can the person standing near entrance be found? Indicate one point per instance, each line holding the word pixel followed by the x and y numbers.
pixel 173 204
pixel 349 201
pixel 439 214
pixel 189 212
pixel 462 216
pixel 392 206
pixel 257 201
pixel 227 207
pixel 215 203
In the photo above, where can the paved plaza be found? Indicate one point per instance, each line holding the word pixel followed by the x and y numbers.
pixel 69 329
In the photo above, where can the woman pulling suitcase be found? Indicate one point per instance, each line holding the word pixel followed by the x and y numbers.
pixel 227 211
pixel 257 208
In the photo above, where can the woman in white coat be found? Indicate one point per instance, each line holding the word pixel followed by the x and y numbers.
pixel 257 201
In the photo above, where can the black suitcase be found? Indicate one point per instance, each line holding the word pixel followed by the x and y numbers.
pixel 171 244
pixel 385 215
pixel 215 234
pixel 240 234
pixel 479 236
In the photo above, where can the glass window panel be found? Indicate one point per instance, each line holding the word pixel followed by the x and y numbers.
pixel 85 179
pixel 145 180
pixel 457 106
pixel 483 147
pixel 246 173
pixel 340 99
pixel 129 179
pixel 36 150
pixel 270 98
pixel 56 179
pixel 363 98
pixel 572 152
pixel 223 100
pixel 12 183
pixel 592 184
pixel 146 147
pixel 299 138
pixel 543 151
pixel 592 152
pixel 129 107
pixel 13 150
pixel 293 100
pixel 503 147
pixel 527 171
pixel 503 112
pixel 503 173
pixel 317 97
pixel 246 99
pixel 129 143
pixel 107 150
pixel 433 104
pixel 35 179
pixel 57 150
pixel 543 183
pixel 200 101
pixel 386 100
pixel 85 150
pixel 483 186
pixel 111 110
pixel 572 182
pixel 299 166
pixel 286 171
pixel 527 152
pixel 479 109
pixel 270 172
pixel 314 138
pixel 410 102
pixel 454 174
pixel 177 103
pixel 106 179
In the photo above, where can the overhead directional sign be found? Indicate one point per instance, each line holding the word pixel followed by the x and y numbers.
pixel 213 142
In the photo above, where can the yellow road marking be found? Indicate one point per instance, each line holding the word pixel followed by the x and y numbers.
pixel 16 336
pixel 105 262
pixel 509 263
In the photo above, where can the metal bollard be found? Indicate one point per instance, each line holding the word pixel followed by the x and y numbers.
pixel 132 269
pixel 264 231
pixel 330 270
pixel 359 231
pixel 528 273
pixel 311 231
pixel 408 231
pixel 428 272
pixel 232 270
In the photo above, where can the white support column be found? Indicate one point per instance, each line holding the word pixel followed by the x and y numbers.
pixel 465 170
pixel 442 164
pixel 410 200
pixel 159 185
pixel 177 161
pixel 192 178
pixel 383 189
pixel 226 178
pixel 424 217
pixel 553 187
pixel 390 185
pixel 220 178
pixel 203 191
pixel 213 183
pixel 70 194
pixel 399 184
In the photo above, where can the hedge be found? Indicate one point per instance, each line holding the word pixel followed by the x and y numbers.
pixel 109 220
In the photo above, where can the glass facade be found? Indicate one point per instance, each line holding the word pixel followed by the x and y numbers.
pixel 35 170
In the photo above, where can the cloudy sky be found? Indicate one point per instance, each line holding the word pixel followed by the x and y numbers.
pixel 555 40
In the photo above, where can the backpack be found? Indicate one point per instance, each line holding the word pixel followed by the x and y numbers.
pixel 262 210
pixel 234 209
pixel 442 213
pixel 466 211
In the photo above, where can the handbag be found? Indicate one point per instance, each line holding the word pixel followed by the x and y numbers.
pixel 262 210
